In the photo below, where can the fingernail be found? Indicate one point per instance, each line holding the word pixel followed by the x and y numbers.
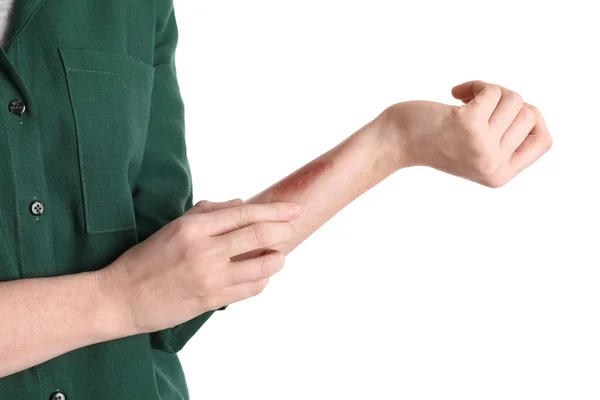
pixel 295 210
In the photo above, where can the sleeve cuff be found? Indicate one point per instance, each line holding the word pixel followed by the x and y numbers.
pixel 182 333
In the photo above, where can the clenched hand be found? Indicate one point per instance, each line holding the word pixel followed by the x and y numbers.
pixel 489 139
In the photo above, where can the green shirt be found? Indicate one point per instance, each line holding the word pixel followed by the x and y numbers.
pixel 92 162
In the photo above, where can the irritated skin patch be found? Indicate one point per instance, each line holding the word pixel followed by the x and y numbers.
pixel 301 179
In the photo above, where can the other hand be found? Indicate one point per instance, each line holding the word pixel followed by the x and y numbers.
pixel 185 269
pixel 489 140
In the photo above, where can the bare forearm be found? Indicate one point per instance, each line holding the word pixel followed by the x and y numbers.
pixel 45 317
pixel 331 181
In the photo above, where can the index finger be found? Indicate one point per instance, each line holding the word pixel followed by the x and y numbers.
pixel 478 95
pixel 222 221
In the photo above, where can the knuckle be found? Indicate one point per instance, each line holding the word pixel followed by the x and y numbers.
pixel 494 89
pixel 260 234
pixel 242 215
pixel 514 98
pixel 270 264
pixel 529 115
pixel 266 267
pixel 202 205
pixel 258 286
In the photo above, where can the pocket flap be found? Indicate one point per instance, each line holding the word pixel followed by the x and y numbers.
pixel 107 62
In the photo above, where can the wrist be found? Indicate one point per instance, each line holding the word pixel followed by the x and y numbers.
pixel 393 137
pixel 370 152
pixel 113 314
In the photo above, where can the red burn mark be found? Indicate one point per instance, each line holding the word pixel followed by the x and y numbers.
pixel 301 179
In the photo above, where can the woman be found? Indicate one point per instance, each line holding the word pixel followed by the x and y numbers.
pixel 107 266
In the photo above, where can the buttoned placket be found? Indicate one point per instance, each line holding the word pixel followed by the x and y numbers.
pixel 33 206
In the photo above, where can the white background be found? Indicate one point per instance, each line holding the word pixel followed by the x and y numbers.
pixel 427 286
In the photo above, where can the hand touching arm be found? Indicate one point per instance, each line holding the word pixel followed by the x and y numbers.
pixel 489 140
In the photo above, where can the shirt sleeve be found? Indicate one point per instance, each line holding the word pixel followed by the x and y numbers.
pixel 163 189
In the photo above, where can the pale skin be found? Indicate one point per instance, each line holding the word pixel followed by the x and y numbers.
pixel 224 252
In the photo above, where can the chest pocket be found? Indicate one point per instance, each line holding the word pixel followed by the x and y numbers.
pixel 110 94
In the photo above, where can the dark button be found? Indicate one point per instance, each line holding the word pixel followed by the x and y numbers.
pixel 36 207
pixel 17 107
pixel 58 396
